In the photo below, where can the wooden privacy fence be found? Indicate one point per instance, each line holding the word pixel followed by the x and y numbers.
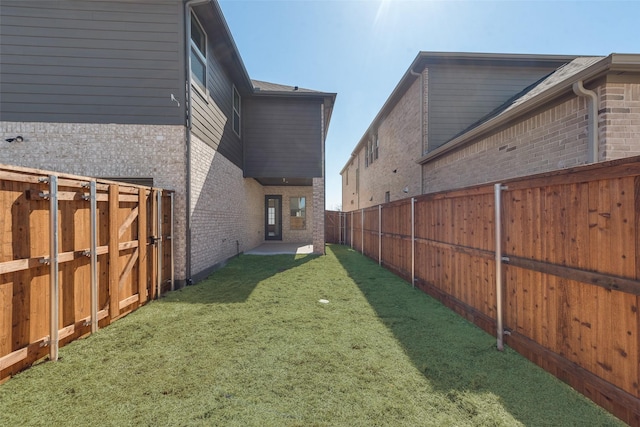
pixel 563 286
pixel 77 254
pixel 333 227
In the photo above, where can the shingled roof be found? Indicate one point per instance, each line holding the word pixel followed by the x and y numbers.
pixel 260 86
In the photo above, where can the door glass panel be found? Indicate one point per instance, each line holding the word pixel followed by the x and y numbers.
pixel 273 218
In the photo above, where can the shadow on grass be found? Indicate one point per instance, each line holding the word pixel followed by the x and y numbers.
pixel 459 359
pixel 237 280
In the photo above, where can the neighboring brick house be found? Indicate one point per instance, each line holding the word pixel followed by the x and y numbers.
pixel 459 119
pixel 156 91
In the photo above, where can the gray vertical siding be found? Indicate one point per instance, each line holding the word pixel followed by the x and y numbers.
pixel 91 61
pixel 283 138
pixel 212 112
pixel 461 95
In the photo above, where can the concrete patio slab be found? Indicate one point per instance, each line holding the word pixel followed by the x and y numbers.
pixel 280 248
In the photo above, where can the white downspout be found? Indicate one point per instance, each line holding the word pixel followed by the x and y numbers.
pixel 592 105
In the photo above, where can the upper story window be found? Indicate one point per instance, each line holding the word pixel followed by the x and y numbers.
pixel 237 104
pixel 376 145
pixel 371 152
pixel 198 52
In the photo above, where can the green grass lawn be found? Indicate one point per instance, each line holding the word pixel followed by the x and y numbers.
pixel 253 346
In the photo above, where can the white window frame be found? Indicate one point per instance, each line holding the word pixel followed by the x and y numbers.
pixel 235 111
pixel 203 57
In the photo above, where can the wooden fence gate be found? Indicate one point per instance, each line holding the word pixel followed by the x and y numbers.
pixel 76 254
pixel 332 227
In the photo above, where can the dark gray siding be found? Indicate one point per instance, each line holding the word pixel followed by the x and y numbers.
pixel 283 138
pixel 212 112
pixel 461 95
pixel 91 61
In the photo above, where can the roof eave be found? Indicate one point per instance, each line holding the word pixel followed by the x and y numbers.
pixel 294 94
pixel 237 60
pixel 588 74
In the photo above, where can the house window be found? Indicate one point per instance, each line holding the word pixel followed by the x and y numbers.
pixel 357 180
pixel 376 145
pixel 387 197
pixel 366 156
pixel 298 213
pixel 370 151
pixel 237 101
pixel 198 53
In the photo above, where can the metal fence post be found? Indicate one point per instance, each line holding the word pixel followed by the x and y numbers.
pixel 159 219
pixel 379 234
pixel 498 232
pixel 53 267
pixel 94 255
pixel 362 231
pixel 413 242
pixel 173 246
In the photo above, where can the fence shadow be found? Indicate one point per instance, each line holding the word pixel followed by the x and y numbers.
pixel 455 356
pixel 237 280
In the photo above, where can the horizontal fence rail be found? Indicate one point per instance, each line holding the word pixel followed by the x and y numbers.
pixel 77 253
pixel 555 274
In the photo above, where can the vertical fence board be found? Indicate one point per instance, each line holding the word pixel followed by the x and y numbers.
pixel 166 242
pixel 114 251
pixel 636 303
pixel 143 239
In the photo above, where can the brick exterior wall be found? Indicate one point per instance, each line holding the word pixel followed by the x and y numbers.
pixel 555 138
pixel 399 136
pixel 318 206
pixel 107 150
pixel 620 120
pixel 287 192
pixel 350 197
pixel 227 210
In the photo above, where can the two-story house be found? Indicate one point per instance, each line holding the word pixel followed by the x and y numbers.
pixel 155 92
pixel 460 119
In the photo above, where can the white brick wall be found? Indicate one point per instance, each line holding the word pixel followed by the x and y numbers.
pixel 106 150
pixel 225 208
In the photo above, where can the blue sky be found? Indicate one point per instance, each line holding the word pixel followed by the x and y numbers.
pixel 360 49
